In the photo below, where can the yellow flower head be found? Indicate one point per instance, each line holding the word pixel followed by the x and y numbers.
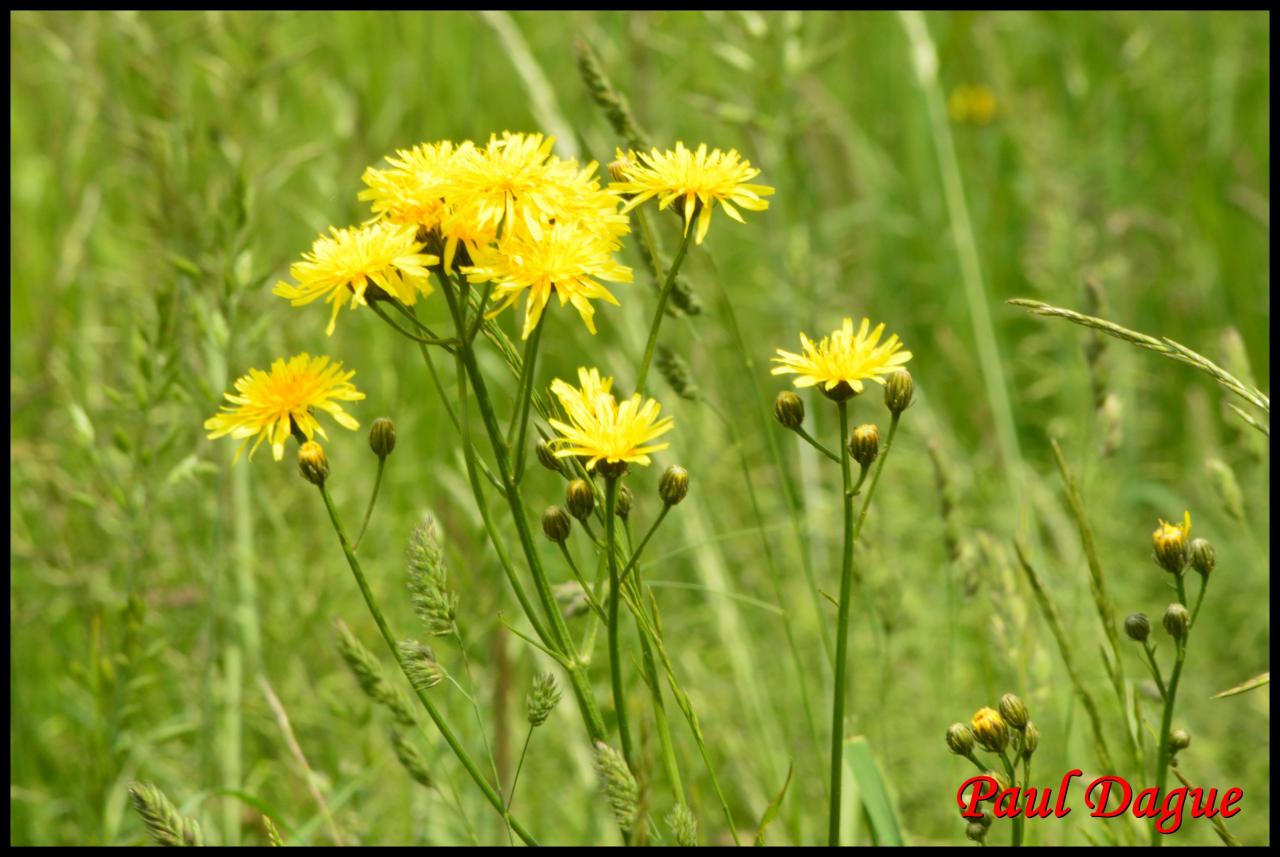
pixel 503 182
pixel 1169 542
pixel 413 189
pixel 348 261
pixel 844 357
pixel 567 260
pixel 600 428
pixel 700 179
pixel 270 405
pixel 990 729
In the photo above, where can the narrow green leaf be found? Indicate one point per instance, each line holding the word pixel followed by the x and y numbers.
pixel 771 811
pixel 1256 681
pixel 873 792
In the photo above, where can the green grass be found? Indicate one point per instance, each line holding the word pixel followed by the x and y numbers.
pixel 167 168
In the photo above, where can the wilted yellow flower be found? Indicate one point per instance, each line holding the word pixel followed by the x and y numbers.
pixel 600 428
pixel 413 189
pixel 567 260
pixel 700 178
pixel 844 357
pixel 347 262
pixel 990 730
pixel 1170 544
pixel 270 405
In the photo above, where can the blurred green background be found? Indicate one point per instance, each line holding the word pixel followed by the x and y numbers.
pixel 167 168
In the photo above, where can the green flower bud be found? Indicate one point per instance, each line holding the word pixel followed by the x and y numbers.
pixel 1014 711
pixel 788 409
pixel 1030 739
pixel 1179 739
pixel 674 485
pixel 976 830
pixel 960 739
pixel 547 457
pixel 580 498
pixel 864 444
pixel 1138 627
pixel 1202 557
pixel 382 437
pixel 312 463
pixel 555 524
pixel 622 508
pixel 1176 621
pixel 899 391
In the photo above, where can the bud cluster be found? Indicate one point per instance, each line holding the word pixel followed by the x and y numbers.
pixel 1006 731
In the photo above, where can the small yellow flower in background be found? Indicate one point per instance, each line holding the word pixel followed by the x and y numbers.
pixel 701 179
pixel 1169 542
pixel 844 357
pixel 567 260
pixel 600 428
pixel 350 260
pixel 269 405
pixel 972 104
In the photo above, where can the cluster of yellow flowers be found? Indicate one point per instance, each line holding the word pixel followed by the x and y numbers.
pixel 508 214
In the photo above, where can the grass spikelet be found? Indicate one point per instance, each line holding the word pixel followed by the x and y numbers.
pixel 613 103
pixel 163 821
pixel 618 783
pixel 273 833
pixel 411 758
pixel 420 664
pixel 1227 487
pixel 364 666
pixel 542 699
pixel 429 591
pixel 676 372
pixel 684 826
pixel 1108 410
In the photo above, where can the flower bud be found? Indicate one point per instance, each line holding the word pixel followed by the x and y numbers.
pixel 842 392
pixel 864 444
pixel 1138 627
pixel 555 524
pixel 1030 739
pixel 622 508
pixel 1202 557
pixel 960 739
pixel 990 730
pixel 1014 711
pixel 312 463
pixel 618 166
pixel 1170 544
pixel 976 830
pixel 674 485
pixel 580 498
pixel 1179 739
pixel 547 457
pixel 1176 621
pixel 788 409
pixel 1002 780
pixel 611 469
pixel 382 437
pixel 899 391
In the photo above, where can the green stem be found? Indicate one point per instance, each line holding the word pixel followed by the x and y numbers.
pixel 851 533
pixel 842 635
pixel 519 767
pixel 1204 584
pixel 582 581
pixel 447 343
pixel 1155 668
pixel 521 416
pixel 812 441
pixel 663 296
pixel 1166 719
pixel 373 498
pixel 635 554
pixel 615 597
pixel 492 796
pixel 1013 781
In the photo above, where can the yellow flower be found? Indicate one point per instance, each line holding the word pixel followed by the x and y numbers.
pixel 990 729
pixel 413 190
pixel 974 104
pixel 567 260
pixel 384 254
pixel 844 357
pixel 489 182
pixel 699 178
pixel 270 405
pixel 1169 542
pixel 600 428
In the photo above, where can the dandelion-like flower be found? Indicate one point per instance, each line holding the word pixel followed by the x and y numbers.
pixel 568 261
pixel 843 357
pixel 1169 542
pixel 271 405
pixel 349 260
pixel 413 189
pixel 601 429
pixel 504 182
pixel 701 179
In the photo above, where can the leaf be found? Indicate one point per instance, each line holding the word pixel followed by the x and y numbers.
pixel 873 792
pixel 1256 681
pixel 771 811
